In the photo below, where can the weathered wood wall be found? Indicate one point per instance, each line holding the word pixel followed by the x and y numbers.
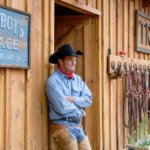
pixel 23 104
pixel 118 33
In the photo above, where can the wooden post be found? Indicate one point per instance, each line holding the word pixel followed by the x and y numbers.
pixel 2 103
pixel 112 83
pixel 45 64
pixel 34 80
pixel 15 100
pixel 51 39
pixel 88 77
pixel 105 77
pixel 125 49
pixel 99 82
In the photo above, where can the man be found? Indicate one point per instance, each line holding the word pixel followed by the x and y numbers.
pixel 67 95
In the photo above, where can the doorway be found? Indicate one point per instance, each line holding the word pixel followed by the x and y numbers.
pixel 79 30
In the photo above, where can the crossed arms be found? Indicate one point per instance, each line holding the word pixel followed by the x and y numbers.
pixel 65 104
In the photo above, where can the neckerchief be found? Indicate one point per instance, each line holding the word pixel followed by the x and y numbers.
pixel 70 76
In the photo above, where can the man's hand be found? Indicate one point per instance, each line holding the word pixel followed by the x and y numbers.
pixel 69 99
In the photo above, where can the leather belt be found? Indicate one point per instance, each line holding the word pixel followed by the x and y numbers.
pixel 71 119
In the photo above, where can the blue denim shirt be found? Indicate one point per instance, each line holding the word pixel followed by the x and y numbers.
pixel 57 87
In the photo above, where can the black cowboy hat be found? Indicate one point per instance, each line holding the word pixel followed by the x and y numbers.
pixel 65 50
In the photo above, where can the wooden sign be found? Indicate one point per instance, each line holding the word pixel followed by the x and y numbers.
pixel 14 38
pixel 142 32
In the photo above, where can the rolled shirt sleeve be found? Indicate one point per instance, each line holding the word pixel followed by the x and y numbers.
pixel 58 99
pixel 85 99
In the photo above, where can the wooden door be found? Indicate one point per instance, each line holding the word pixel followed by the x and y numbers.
pixel 76 30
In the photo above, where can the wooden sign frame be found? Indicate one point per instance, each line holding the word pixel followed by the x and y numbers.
pixel 27 57
pixel 139 49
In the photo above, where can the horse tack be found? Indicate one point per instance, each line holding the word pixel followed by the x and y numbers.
pixel 138 79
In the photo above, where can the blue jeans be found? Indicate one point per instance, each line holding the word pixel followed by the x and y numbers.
pixel 75 132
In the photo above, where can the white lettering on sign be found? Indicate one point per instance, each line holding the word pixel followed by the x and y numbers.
pixel 22 33
pixel 9 56
pixel 10 44
pixel 11 24
pixel 147 32
pixel 15 45
pixel 2 43
pixel 3 20
pixel 1 55
pixel 15 26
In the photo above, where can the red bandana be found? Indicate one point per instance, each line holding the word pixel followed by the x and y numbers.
pixel 70 76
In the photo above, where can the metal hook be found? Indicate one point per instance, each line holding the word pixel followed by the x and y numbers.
pixel 135 67
pixel 144 68
pixel 125 65
pixel 130 66
pixel 119 64
pixel 113 65
pixel 140 68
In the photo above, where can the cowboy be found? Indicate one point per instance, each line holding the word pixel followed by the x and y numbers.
pixel 67 94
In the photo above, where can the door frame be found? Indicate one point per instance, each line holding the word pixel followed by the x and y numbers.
pixel 97 46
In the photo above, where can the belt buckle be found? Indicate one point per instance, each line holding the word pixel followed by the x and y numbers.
pixel 70 119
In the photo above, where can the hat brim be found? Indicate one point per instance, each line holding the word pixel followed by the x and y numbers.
pixel 54 57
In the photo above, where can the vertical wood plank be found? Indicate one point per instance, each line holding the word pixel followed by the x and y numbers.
pixel 131 33
pixel 125 27
pixel 83 2
pixel 93 4
pixel 125 49
pixel 88 2
pixel 98 4
pixel 2 2
pixel 131 29
pixel 15 109
pixel 30 141
pixel 45 70
pixel 119 82
pixel 51 49
pixel 15 100
pixel 95 93
pixel 105 77
pixel 136 7
pixel 2 108
pixel 87 78
pixel 99 82
pixel 112 93
pixel 8 2
pixel 37 106
pixel 2 103
pixel 146 12
pixel 34 79
pixel 141 9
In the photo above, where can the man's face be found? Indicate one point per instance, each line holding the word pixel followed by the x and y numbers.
pixel 68 64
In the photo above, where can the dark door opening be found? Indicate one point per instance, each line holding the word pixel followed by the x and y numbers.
pixel 77 29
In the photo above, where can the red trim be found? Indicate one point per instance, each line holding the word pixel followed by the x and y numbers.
pixel 122 53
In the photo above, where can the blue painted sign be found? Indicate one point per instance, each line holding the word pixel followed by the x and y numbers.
pixel 14 38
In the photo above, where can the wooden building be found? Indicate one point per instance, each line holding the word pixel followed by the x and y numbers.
pixel 92 26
